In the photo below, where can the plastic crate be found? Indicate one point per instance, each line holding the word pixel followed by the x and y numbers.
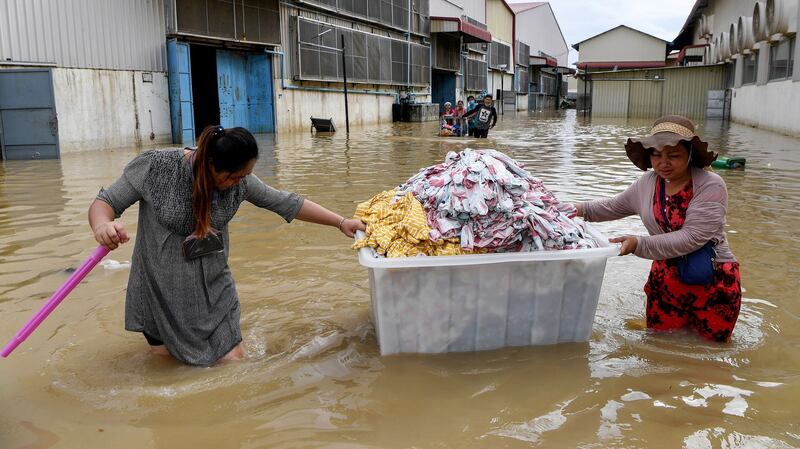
pixel 485 301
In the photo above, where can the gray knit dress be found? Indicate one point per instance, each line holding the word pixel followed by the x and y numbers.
pixel 191 306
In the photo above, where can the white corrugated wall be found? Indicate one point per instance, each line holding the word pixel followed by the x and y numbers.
pixel 92 34
pixel 680 90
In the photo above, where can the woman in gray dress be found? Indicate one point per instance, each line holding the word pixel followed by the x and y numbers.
pixel 181 294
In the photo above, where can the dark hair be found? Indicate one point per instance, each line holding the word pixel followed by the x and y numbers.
pixel 228 150
pixel 471 96
pixel 489 96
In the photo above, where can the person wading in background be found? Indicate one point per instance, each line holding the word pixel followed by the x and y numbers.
pixel 485 117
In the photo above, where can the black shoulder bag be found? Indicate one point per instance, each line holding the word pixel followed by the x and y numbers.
pixel 697 267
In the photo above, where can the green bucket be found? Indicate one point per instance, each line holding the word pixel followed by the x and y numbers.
pixel 729 162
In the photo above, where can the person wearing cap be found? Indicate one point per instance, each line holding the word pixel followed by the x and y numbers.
pixel 447 110
pixel 690 216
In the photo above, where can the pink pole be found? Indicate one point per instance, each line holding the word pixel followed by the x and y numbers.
pixel 59 295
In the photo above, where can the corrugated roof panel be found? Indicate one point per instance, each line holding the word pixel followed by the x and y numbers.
pixel 100 34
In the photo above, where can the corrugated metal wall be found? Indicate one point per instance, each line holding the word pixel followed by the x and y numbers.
pixel 638 94
pixel 687 93
pixel 610 98
pixel 98 34
pixel 500 20
pixel 645 97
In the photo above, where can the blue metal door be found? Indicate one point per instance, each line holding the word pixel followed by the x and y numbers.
pixel 232 86
pixel 181 105
pixel 259 94
pixel 28 122
pixel 443 88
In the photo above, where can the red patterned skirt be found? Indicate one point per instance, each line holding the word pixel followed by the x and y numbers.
pixel 710 310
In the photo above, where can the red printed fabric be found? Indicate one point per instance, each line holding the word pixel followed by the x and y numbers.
pixel 710 310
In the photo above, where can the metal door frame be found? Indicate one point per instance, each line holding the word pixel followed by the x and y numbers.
pixel 55 112
pixel 176 100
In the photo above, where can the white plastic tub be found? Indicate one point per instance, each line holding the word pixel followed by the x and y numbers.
pixel 486 301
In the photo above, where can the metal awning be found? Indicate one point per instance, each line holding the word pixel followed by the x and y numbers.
pixel 618 65
pixel 457 27
pixel 543 61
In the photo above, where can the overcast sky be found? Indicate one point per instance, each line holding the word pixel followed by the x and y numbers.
pixel 580 19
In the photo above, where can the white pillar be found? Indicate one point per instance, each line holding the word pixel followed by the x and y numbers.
pixel 796 76
pixel 763 63
pixel 738 71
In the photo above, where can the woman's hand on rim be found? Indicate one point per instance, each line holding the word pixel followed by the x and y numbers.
pixel 629 243
pixel 350 226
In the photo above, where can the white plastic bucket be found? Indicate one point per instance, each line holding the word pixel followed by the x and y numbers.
pixel 485 301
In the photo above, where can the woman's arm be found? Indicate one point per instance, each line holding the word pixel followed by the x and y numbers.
pixel 112 202
pixel 620 206
pixel 107 232
pixel 314 213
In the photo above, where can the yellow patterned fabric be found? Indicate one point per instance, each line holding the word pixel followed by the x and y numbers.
pixel 400 228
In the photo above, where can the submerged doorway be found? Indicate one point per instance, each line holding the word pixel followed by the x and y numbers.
pixel 443 88
pixel 204 87
pixel 215 86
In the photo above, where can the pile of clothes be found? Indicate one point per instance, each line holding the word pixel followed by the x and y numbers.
pixel 481 199
pixel 397 227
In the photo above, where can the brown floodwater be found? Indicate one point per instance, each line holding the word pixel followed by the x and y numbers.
pixel 314 376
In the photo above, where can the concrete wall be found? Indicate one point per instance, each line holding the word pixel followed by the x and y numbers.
pixel 620 45
pixel 475 9
pixel 103 109
pixel 293 108
pixel 775 106
pixel 572 84
pixel 725 13
pixel 522 102
pixel 497 80
pixel 500 22
pixel 539 28
pixel 446 8
pixel 772 105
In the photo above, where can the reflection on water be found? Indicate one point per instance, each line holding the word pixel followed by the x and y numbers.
pixel 314 377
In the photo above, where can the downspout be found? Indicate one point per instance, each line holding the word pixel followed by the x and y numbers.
pixel 528 87
pixel 461 66
pixel 513 55
pixel 408 45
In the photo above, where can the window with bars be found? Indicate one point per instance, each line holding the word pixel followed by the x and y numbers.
pixel 781 60
pixel 393 13
pixel 522 80
pixel 476 75
pixel 479 47
pixel 247 20
pixel 523 54
pixel 421 17
pixel 750 68
pixel 548 84
pixel 499 54
pixel 446 53
pixel 420 65
pixel 371 59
